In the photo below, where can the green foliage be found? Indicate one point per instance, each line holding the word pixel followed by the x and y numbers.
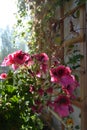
pixel 36 20
pixel 74 59
pixel 62 2
pixel 15 103
pixel 79 2
pixel 22 7
pixel 77 127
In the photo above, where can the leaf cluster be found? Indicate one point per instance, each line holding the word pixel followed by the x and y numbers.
pixel 15 103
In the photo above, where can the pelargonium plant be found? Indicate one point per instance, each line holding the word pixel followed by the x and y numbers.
pixel 32 84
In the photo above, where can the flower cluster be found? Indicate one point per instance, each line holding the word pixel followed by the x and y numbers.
pixel 44 80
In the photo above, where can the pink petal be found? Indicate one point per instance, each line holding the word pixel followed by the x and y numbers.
pixel 3 76
pixel 62 110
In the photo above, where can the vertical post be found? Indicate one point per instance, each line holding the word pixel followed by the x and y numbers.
pixel 62 38
pixel 62 22
pixel 83 80
pixel 62 29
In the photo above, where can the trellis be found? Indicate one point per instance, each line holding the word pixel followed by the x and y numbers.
pixel 81 39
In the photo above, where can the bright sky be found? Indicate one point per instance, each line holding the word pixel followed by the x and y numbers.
pixel 7 10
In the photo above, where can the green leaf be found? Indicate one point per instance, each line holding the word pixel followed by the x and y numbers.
pixel 23 34
pixel 77 77
pixel 79 2
pixel 10 89
pixel 77 127
pixel 78 13
pixel 19 21
pixel 14 99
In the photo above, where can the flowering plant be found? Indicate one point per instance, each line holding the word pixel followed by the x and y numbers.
pixel 35 84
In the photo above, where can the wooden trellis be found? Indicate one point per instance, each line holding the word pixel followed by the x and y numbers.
pixel 81 39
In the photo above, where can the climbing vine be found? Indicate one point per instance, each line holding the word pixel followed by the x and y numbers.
pixel 40 25
pixel 41 29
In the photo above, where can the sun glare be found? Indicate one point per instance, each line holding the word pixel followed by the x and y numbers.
pixel 7 10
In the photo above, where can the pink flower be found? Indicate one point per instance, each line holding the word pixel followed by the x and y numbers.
pixel 62 106
pixel 38 74
pixel 69 84
pixel 62 100
pixel 41 57
pixel 3 76
pixel 20 57
pixel 41 92
pixel 30 62
pixel 62 110
pixel 8 60
pixel 44 67
pixel 69 80
pixel 15 66
pixel 69 93
pixel 58 72
pixel 31 89
pixel 42 70
pixel 17 58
